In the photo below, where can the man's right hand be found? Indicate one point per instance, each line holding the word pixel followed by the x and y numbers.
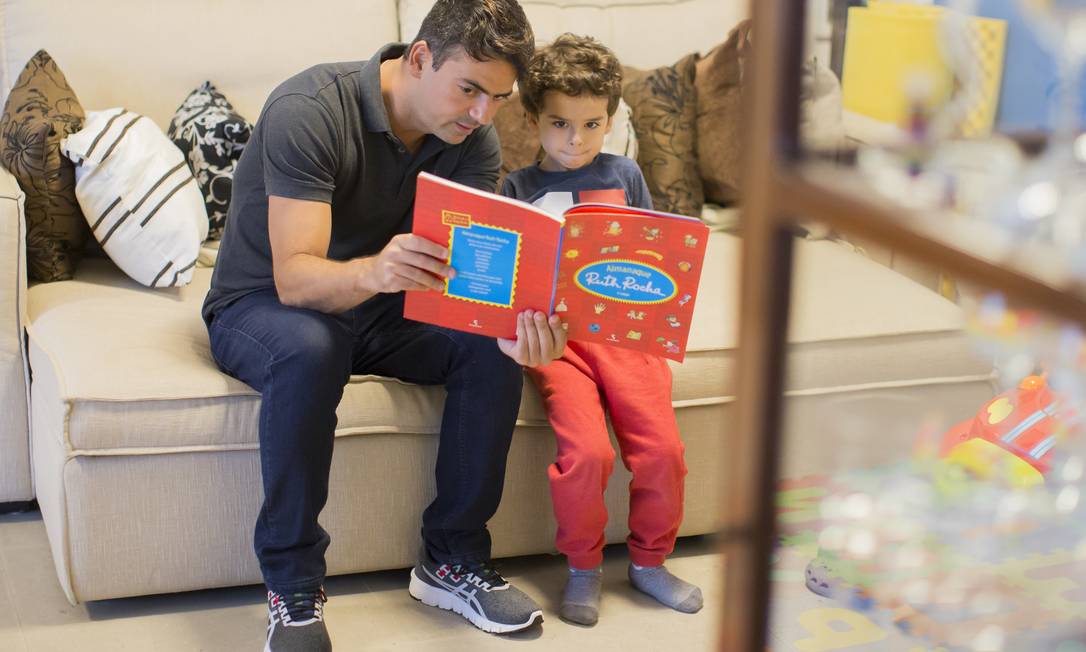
pixel 408 262
pixel 300 232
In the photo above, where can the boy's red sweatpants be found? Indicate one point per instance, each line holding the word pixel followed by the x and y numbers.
pixel 635 388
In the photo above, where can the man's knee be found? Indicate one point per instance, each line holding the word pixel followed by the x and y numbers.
pixel 491 366
pixel 316 349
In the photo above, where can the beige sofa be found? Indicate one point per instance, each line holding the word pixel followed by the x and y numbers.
pixel 144 455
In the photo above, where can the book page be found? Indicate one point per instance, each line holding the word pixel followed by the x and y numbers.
pixel 485 259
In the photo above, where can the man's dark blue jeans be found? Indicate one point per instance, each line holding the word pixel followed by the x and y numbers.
pixel 300 360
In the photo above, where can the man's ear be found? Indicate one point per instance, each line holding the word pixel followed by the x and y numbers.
pixel 419 57
pixel 610 123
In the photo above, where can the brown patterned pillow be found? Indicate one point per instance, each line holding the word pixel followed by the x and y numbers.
pixel 41 111
pixel 720 97
pixel 664 103
pixel 519 137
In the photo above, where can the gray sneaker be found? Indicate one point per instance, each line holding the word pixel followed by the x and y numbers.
pixel 296 623
pixel 478 593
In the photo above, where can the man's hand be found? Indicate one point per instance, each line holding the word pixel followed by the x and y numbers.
pixel 539 340
pixel 410 263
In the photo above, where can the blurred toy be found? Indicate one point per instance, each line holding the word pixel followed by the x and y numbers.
pixel 1012 436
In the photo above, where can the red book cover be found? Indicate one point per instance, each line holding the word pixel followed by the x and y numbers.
pixel 503 251
pixel 616 275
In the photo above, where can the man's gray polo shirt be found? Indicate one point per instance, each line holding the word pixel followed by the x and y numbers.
pixel 324 135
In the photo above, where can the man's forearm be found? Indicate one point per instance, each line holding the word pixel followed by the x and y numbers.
pixel 329 286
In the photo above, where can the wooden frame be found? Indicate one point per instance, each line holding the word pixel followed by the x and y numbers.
pixel 780 189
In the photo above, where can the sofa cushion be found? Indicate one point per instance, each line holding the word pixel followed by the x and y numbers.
pixel 719 105
pixel 136 371
pixel 147 55
pixel 212 137
pixel 622 139
pixel 42 110
pixel 719 83
pixel 643 33
pixel 139 196
pixel 518 135
pixel 664 105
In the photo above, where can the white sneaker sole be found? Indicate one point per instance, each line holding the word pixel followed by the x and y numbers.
pixel 434 597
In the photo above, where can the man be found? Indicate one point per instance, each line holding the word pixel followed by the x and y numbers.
pixel 309 288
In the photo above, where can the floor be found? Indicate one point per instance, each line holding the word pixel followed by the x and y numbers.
pixel 369 611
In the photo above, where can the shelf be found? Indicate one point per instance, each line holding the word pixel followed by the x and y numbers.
pixel 779 193
pixel 969 249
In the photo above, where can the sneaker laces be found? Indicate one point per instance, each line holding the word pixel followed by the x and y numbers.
pixel 298 609
pixel 484 575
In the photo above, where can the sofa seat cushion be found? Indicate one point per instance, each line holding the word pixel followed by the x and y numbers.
pixel 135 369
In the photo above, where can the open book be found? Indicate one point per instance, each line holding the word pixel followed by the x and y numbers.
pixel 614 274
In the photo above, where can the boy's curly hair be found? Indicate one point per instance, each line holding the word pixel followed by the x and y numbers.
pixel 573 65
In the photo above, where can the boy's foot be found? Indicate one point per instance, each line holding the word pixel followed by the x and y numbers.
pixel 665 587
pixel 581 599
pixel 296 623
pixel 478 593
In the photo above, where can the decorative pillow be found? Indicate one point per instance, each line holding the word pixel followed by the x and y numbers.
pixel 821 116
pixel 139 196
pixel 664 105
pixel 622 139
pixel 518 136
pixel 719 124
pixel 212 137
pixel 40 111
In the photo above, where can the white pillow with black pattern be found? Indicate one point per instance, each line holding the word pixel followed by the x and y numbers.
pixel 212 137
pixel 138 196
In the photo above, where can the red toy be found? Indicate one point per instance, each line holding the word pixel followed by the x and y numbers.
pixel 1012 436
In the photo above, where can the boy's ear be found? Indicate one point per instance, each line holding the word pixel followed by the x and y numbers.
pixel 610 122
pixel 419 56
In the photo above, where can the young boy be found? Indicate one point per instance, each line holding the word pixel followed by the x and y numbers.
pixel 571 92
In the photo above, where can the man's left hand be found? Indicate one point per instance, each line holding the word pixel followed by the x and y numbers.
pixel 539 339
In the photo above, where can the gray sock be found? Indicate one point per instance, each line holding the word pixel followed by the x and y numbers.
pixel 665 587
pixel 581 599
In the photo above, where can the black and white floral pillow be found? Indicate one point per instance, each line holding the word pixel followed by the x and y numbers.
pixel 212 137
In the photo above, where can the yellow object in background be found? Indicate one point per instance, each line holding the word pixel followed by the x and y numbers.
pixel 888 45
pixel 987 461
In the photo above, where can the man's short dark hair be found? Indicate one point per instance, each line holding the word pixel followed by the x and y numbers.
pixel 573 65
pixel 484 29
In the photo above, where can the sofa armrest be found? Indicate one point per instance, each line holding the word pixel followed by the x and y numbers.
pixel 15 476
